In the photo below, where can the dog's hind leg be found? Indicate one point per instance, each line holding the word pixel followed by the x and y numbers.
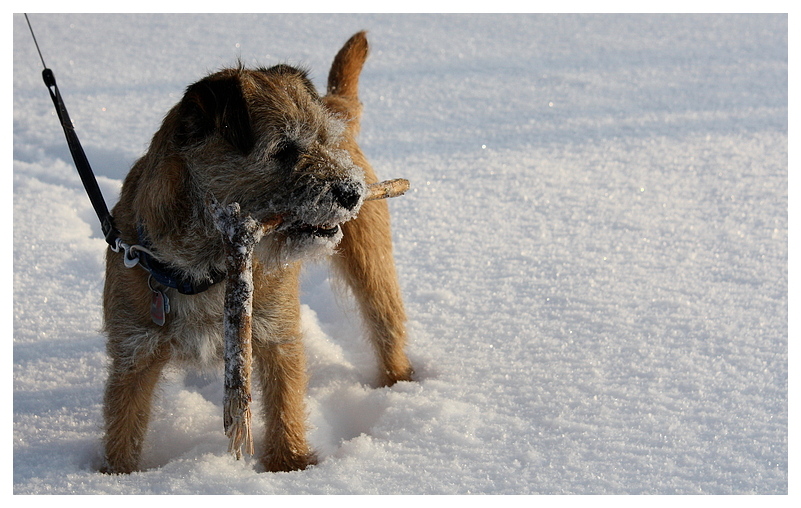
pixel 280 368
pixel 127 403
pixel 366 263
pixel 365 253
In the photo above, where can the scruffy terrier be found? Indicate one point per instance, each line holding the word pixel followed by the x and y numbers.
pixel 263 138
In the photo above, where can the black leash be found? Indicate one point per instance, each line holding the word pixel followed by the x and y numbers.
pixel 81 162
pixel 133 254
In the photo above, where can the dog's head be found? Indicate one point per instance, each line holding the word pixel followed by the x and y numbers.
pixel 263 138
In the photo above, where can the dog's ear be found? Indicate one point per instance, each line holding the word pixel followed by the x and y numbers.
pixel 215 104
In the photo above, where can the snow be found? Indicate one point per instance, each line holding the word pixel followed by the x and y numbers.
pixel 593 254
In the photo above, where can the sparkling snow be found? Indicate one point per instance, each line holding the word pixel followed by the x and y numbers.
pixel 594 255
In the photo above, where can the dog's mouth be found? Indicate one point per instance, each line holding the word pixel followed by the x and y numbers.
pixel 322 231
pixel 310 230
pixel 297 227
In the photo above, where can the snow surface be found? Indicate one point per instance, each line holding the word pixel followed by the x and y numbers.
pixel 594 255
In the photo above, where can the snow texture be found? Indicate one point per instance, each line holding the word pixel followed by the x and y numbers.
pixel 593 254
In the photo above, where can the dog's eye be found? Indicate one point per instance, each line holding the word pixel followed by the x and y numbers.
pixel 287 153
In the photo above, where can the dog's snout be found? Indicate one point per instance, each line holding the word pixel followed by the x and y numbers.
pixel 347 194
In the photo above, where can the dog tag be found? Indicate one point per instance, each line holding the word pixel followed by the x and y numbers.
pixel 159 307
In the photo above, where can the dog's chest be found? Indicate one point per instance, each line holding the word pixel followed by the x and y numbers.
pixel 196 326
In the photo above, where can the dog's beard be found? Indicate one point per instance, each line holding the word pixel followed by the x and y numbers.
pixel 279 249
pixel 307 232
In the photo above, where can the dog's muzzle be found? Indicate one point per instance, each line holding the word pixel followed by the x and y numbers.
pixel 320 214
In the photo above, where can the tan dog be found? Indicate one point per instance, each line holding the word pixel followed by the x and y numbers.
pixel 265 139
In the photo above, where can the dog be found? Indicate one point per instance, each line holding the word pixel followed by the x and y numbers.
pixel 263 138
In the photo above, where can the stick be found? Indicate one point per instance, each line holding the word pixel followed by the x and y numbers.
pixel 375 191
pixel 386 189
pixel 240 235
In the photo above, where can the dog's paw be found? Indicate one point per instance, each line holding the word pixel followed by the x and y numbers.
pixel 107 468
pixel 389 378
pixel 275 463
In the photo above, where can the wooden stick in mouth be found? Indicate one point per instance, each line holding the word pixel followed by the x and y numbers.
pixel 240 233
pixel 387 189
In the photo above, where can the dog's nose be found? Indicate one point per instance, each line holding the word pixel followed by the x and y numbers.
pixel 346 194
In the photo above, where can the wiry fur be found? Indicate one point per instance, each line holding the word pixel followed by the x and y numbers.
pixel 265 139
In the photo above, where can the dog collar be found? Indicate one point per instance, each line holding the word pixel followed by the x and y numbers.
pixel 167 275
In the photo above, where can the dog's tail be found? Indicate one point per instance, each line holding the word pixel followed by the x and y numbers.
pixel 343 79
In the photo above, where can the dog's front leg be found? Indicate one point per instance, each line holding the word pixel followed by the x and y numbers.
pixel 280 367
pixel 129 391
